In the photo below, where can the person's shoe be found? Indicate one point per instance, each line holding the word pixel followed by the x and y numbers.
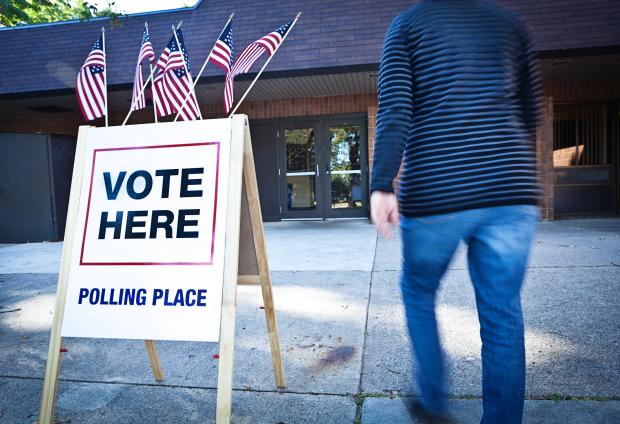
pixel 420 415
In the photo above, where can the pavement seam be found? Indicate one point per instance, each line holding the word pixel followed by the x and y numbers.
pixel 362 395
pixel 359 396
pixel 180 386
pixel 610 265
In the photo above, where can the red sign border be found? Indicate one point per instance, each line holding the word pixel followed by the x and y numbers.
pixel 90 190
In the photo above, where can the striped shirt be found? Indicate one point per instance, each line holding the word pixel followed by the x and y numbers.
pixel 458 108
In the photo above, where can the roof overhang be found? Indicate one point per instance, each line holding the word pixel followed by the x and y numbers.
pixel 210 90
pixel 349 80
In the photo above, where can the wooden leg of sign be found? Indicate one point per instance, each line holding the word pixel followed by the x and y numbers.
pixel 272 327
pixel 158 372
pixel 231 263
pixel 59 366
pixel 251 189
pixel 52 368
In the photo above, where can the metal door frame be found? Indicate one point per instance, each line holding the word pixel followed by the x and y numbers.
pixel 360 121
pixel 317 213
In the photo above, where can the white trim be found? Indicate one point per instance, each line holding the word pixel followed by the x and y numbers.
pixel 299 174
pixel 359 171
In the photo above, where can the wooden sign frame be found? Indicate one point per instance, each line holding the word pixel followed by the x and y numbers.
pixel 245 262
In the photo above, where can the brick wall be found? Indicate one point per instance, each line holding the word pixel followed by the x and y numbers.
pixel 582 91
pixel 68 123
pixel 544 156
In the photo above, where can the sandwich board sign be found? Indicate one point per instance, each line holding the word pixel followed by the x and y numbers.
pixel 158 214
pixel 151 235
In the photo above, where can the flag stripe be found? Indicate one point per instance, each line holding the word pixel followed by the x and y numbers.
pixel 97 86
pixel 83 99
pixel 138 99
pixel 91 97
pixel 91 84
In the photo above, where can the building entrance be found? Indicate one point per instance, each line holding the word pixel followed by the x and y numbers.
pixel 323 171
pixel 314 168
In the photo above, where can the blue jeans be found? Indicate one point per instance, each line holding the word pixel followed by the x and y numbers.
pixel 498 242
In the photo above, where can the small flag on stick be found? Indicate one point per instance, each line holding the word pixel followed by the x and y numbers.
pixel 173 82
pixel 242 65
pixel 91 84
pixel 138 100
pixel 222 56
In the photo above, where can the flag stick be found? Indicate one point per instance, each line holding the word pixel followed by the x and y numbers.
pixel 264 66
pixel 154 110
pixel 105 75
pixel 191 81
pixel 150 78
pixel 204 66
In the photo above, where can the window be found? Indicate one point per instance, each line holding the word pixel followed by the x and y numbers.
pixel 580 135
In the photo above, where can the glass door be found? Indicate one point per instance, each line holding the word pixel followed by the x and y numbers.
pixel 323 168
pixel 345 161
pixel 300 172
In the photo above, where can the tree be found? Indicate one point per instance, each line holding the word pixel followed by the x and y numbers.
pixel 20 12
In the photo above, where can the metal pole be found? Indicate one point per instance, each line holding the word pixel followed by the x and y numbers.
pixel 150 78
pixel 105 75
pixel 186 70
pixel 204 65
pixel 264 66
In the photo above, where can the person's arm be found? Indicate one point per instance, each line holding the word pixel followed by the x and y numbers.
pixel 394 113
pixel 395 108
pixel 529 85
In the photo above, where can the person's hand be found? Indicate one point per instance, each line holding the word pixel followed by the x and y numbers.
pixel 384 211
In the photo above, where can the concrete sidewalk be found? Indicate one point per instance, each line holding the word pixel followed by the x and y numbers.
pixel 346 352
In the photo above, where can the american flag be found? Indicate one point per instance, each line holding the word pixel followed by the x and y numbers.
pixel 146 52
pixel 172 83
pixel 222 56
pixel 267 44
pixel 91 85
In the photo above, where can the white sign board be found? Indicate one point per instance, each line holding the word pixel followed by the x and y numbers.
pixel 147 261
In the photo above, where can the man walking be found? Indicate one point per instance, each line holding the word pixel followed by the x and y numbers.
pixel 458 106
